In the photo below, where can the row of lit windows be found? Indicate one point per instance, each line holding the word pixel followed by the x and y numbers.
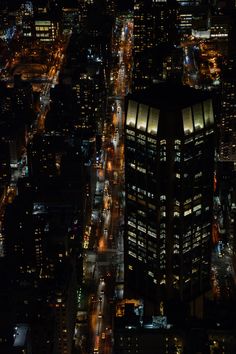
pixel 196 209
pixel 131 133
pixel 142 191
pixel 196 235
pixel 176 212
pixel 198 116
pixel 42 35
pixel 142 117
pixel 43 28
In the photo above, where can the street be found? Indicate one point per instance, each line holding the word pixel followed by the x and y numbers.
pixel 103 265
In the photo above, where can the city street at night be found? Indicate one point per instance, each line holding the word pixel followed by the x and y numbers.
pixel 117 177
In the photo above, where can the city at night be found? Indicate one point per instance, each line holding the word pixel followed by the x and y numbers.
pixel 118 176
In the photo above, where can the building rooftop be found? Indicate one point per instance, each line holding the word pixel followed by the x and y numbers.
pixel 169 94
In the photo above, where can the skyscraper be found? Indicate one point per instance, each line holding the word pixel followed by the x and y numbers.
pixel 169 153
pixel 227 144
pixel 155 23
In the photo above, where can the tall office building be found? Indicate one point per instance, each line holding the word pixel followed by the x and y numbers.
pixel 227 143
pixel 169 153
pixel 155 23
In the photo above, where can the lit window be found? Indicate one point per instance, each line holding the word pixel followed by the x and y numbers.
pixel 197 207
pixel 141 169
pixel 131 239
pixel 151 233
pixel 198 117
pixel 131 113
pixel 131 223
pixel 208 112
pixel 132 254
pixel 131 197
pixel 187 120
pixel 187 212
pixel 153 121
pixel 142 117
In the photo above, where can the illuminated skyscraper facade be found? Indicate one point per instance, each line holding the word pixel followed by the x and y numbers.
pixel 169 152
